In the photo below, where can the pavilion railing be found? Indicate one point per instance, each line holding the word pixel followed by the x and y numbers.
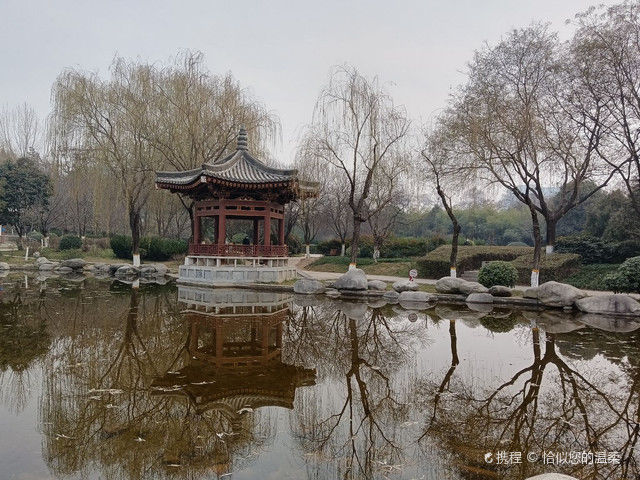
pixel 217 250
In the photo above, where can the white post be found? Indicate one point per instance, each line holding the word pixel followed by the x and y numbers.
pixel 535 278
pixel 453 272
pixel 136 259
pixel 26 254
pixel 549 249
pixel 307 253
pixel 342 250
pixel 352 266
pixel 136 283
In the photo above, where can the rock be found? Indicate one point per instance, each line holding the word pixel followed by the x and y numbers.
pixel 472 287
pixel 352 280
pixel 408 296
pixel 115 267
pixel 100 268
pixel 500 291
pixel 479 298
pixel 552 476
pixel 609 304
pixel 308 286
pixel 40 260
pixel 448 285
pixel 555 294
pixel 153 270
pixel 36 255
pixel 405 286
pixel 4 266
pixel 47 266
pixel 332 292
pixel 376 285
pixel 73 263
pixel 530 293
pixel 391 296
pixel 127 271
pixel 64 269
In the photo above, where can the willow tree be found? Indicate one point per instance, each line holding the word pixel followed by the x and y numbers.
pixel 200 114
pixel 110 122
pixel 356 130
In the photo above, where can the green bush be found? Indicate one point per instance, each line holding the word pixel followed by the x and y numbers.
pixel 627 278
pixel 151 248
pixel 556 266
pixel 436 263
pixel 70 242
pixel 593 250
pixel 592 277
pixel 498 273
pixel 121 246
pixel 619 252
pixel 325 247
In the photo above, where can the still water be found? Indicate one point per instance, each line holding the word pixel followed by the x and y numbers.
pixel 101 381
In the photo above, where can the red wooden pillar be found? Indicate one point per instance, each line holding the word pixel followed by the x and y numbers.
pixel 196 228
pixel 281 231
pixel 267 228
pixel 256 231
pixel 222 228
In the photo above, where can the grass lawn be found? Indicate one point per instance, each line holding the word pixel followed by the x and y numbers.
pixel 395 267
pixel 591 277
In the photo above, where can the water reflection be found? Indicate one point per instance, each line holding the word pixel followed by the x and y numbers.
pixel 197 383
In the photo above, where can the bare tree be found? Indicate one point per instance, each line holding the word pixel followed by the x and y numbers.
pixel 519 118
pixel 336 210
pixel 20 132
pixel 356 130
pixel 605 48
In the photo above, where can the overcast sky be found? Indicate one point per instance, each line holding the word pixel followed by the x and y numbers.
pixel 281 50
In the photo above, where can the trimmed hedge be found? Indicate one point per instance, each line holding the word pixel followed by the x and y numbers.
pixel 552 267
pixel 498 273
pixel 594 250
pixel 70 242
pixel 151 248
pixel 436 263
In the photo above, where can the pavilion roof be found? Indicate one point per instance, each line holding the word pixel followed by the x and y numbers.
pixel 237 170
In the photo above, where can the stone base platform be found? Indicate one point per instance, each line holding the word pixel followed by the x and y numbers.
pixel 229 270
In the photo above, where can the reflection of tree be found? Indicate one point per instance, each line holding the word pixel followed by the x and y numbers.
pixel 23 339
pixel 539 409
pixel 360 350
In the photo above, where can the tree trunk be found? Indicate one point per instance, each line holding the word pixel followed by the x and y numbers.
pixel 551 235
pixel 537 247
pixel 453 259
pixel 355 239
pixel 134 224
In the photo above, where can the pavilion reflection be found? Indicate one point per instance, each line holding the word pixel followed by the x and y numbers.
pixel 233 357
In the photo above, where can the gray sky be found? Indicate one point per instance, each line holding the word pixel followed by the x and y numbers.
pixel 282 51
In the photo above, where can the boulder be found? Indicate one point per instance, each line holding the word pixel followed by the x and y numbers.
pixel 500 291
pixel 64 269
pixel 153 270
pixel 115 267
pixel 552 476
pixel 73 263
pixel 47 266
pixel 376 285
pixel 4 266
pixel 555 294
pixel 472 287
pixel 100 268
pixel 332 292
pixel 308 286
pixel 609 304
pixel 40 260
pixel 479 298
pixel 449 285
pixel 354 279
pixel 530 293
pixel 405 286
pixel 127 271
pixel 408 296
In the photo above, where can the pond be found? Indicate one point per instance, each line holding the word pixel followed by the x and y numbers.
pixel 98 380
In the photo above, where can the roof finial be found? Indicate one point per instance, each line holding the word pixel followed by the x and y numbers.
pixel 242 139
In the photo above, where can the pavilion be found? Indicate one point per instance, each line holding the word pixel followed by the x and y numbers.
pixel 237 187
